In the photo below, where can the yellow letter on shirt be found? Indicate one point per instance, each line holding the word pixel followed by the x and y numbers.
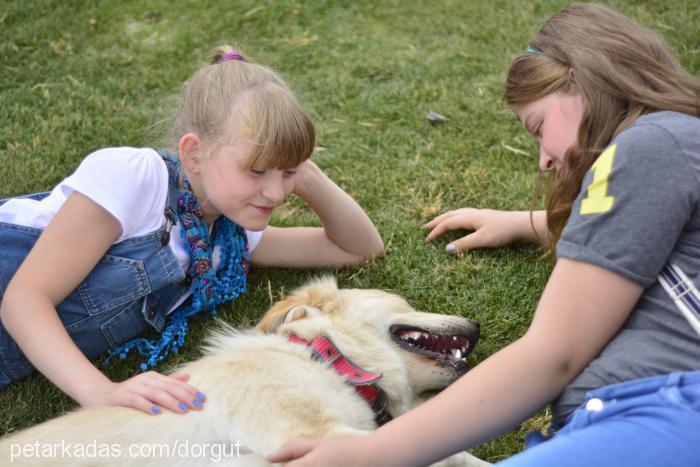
pixel 598 201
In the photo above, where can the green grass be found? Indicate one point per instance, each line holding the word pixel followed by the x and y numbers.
pixel 79 75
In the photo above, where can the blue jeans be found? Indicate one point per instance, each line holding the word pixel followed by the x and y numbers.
pixel 647 422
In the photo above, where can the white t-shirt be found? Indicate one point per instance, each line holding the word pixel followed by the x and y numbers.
pixel 130 183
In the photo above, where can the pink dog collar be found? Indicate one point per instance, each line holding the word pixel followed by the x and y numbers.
pixel 363 380
pixel 326 351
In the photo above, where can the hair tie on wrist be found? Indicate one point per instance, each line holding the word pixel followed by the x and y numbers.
pixel 234 56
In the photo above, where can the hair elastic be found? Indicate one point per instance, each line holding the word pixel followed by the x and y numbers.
pixel 532 50
pixel 234 56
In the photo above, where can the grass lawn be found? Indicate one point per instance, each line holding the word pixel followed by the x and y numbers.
pixel 79 75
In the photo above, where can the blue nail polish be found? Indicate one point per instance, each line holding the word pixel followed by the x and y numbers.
pixel 197 403
pixel 182 406
pixel 155 409
pixel 201 396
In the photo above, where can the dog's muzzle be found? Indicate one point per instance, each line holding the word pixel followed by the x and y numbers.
pixel 450 347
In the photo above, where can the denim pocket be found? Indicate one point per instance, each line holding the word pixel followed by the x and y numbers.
pixel 125 325
pixel 115 281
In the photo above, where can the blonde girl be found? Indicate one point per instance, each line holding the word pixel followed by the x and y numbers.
pixel 617 121
pixel 138 239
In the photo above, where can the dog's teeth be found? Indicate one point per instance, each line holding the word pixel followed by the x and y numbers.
pixel 454 338
pixel 425 335
pixel 458 354
pixel 455 353
pixel 464 349
pixel 416 335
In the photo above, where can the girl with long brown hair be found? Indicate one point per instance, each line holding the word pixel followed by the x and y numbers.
pixel 614 344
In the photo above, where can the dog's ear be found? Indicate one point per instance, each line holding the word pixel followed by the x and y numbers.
pixel 316 296
pixel 283 312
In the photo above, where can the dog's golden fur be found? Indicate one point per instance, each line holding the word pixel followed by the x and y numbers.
pixel 263 390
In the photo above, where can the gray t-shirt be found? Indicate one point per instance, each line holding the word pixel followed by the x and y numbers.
pixel 638 210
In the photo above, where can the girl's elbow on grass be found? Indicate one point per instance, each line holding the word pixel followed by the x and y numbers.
pixel 374 250
pixel 372 247
pixel 359 260
pixel 377 249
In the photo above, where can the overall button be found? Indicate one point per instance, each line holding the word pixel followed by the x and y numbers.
pixel 152 312
pixel 594 405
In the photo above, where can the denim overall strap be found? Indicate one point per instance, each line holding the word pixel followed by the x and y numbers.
pixel 173 166
pixel 159 303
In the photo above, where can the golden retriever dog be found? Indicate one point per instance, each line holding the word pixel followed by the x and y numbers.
pixel 324 361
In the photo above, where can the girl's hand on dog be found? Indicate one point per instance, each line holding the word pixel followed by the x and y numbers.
pixel 149 392
pixel 341 451
pixel 490 228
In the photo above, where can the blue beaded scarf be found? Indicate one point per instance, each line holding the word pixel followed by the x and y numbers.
pixel 209 288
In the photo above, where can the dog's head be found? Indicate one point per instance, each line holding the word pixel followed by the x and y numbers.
pixel 380 332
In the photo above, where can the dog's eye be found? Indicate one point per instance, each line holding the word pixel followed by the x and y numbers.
pixel 295 313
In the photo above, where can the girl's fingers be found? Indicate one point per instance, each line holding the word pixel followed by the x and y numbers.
pixel 193 394
pixel 168 392
pixel 178 395
pixel 438 230
pixel 184 377
pixel 191 389
pixel 469 214
pixel 449 224
pixel 438 219
pixel 160 397
pixel 138 402
pixel 469 242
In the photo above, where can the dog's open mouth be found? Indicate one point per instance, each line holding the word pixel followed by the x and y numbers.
pixel 445 347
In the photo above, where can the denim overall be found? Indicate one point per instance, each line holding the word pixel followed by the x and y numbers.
pixel 130 290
